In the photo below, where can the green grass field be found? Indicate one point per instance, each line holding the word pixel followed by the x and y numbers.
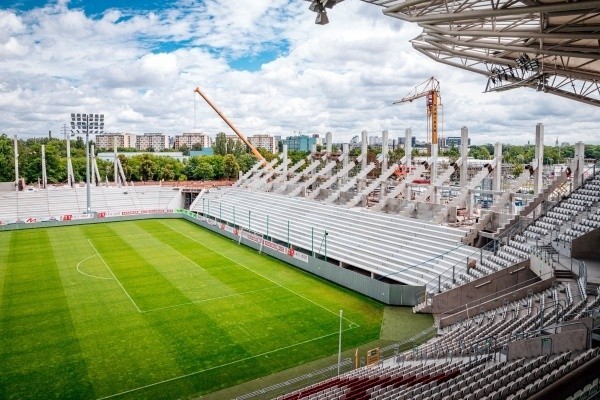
pixel 158 309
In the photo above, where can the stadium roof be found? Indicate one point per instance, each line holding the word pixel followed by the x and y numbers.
pixel 548 45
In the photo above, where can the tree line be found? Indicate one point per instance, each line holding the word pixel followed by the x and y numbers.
pixel 229 158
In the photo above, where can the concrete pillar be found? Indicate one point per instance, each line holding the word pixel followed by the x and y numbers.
pixel 115 166
pixel 313 150
pixel 285 158
pixel 497 183
pixel 384 151
pixel 329 143
pixel 364 150
pixel 16 165
pixel 579 160
pixel 44 176
pixel 408 146
pixel 346 153
pixel 539 156
pixel 464 153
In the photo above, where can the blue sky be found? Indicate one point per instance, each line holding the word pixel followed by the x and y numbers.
pixel 263 62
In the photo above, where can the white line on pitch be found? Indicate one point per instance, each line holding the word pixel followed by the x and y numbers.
pixel 119 282
pixel 262 276
pixel 206 300
pixel 223 365
pixel 91 276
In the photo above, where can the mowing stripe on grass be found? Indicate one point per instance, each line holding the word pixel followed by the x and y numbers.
pixel 223 365
pixel 113 275
pixel 146 287
pixel 35 318
pixel 264 277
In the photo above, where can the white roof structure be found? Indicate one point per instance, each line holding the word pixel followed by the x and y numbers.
pixel 548 45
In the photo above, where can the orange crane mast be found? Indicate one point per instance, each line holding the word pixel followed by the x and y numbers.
pixel 431 89
pixel 243 138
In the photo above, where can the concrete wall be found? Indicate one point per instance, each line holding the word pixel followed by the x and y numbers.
pixel 586 246
pixel 571 340
pixel 497 301
pixel 482 288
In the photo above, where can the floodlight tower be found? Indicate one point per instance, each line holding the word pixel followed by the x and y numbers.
pixel 87 123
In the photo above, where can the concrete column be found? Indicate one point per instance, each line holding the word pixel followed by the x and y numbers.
pixel 464 153
pixel 579 160
pixel 345 155
pixel 329 143
pixel 408 146
pixel 384 151
pixel 16 165
pixel 497 184
pixel 539 156
pixel 285 158
pixel 44 177
pixel 115 165
pixel 364 150
pixel 313 150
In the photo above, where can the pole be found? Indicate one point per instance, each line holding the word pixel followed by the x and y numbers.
pixel 340 344
pixel 234 216
pixel 87 163
pixel 326 233
pixel 267 226
pixel 249 212
pixel 220 213
pixel 16 165
pixel 312 241
pixel 288 234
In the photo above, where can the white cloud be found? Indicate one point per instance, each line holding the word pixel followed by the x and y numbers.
pixel 140 69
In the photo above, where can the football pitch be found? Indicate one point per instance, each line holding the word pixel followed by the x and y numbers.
pixel 159 309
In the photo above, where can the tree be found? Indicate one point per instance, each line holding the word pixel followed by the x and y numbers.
pixel 147 167
pixel 184 149
pixel 220 146
pixel 197 147
pixel 517 169
pixel 204 171
pixel 231 145
pixel 230 167
pixel 245 162
pixel 239 148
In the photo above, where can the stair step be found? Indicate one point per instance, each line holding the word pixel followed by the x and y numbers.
pixel 563 274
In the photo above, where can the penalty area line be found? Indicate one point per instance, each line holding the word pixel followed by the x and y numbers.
pixel 111 272
pixel 222 365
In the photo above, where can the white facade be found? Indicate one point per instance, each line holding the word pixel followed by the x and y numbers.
pixel 156 141
pixel 106 140
pixel 267 142
pixel 190 139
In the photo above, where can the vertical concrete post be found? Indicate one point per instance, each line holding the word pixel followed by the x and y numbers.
pixel 328 137
pixel 44 177
pixel 497 184
pixel 433 166
pixel 115 165
pixel 16 165
pixel 408 146
pixel 579 160
pixel 285 158
pixel 364 150
pixel 313 150
pixel 464 153
pixel 384 151
pixel 539 156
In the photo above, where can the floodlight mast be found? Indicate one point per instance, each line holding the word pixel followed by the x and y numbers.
pixel 256 153
pixel 83 123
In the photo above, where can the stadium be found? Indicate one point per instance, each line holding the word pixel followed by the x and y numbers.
pixel 339 276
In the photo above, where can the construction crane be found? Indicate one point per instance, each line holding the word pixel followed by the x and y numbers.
pixel 431 89
pixel 256 153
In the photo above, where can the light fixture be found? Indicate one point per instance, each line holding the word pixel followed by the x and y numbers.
pixel 87 123
pixel 322 18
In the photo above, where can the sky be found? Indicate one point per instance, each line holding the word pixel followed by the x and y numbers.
pixel 264 63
